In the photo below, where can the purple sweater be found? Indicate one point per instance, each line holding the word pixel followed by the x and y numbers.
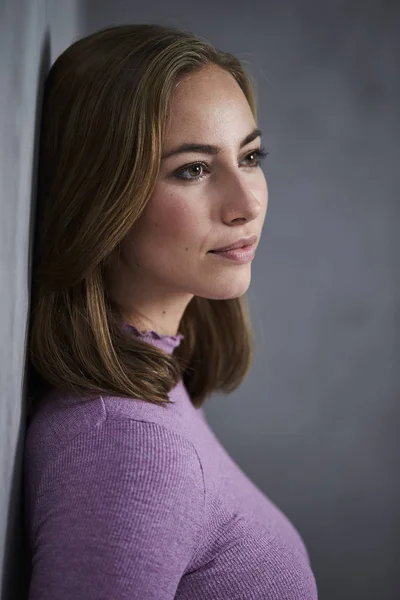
pixel 126 500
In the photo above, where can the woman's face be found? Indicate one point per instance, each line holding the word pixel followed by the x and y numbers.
pixel 165 258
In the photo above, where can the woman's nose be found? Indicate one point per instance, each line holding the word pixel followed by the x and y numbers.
pixel 243 197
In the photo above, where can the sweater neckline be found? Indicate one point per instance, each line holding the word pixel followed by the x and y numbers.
pixel 163 341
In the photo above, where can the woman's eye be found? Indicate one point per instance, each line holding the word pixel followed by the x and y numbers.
pixel 259 155
pixel 187 169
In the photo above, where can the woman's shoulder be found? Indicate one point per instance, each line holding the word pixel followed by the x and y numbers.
pixel 65 428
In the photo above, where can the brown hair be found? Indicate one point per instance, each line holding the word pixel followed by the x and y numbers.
pixel 105 111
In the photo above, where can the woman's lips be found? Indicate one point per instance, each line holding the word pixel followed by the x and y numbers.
pixel 240 255
pixel 240 243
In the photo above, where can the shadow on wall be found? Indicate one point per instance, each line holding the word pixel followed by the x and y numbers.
pixel 16 567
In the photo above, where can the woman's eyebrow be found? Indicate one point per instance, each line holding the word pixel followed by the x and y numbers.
pixel 207 148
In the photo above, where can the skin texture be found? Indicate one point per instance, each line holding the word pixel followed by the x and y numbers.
pixel 164 258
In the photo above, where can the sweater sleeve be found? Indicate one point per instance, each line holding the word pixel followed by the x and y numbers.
pixel 118 514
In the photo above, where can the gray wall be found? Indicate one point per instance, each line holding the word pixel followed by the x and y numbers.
pixel 32 34
pixel 315 423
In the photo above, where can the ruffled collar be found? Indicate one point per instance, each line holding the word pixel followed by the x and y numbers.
pixel 165 342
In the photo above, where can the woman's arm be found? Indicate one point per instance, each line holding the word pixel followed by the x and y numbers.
pixel 118 515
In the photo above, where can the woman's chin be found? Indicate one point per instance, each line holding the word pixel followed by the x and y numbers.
pixel 227 291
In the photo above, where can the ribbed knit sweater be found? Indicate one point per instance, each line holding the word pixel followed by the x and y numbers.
pixel 126 500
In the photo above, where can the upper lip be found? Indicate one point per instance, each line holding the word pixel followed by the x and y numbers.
pixel 238 244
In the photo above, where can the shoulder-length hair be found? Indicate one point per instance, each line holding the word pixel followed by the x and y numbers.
pixel 105 111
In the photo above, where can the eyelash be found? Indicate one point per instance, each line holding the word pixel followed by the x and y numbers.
pixel 260 154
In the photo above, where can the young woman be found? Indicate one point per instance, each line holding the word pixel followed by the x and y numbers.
pixel 149 166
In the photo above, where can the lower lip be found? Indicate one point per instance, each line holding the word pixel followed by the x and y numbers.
pixel 240 255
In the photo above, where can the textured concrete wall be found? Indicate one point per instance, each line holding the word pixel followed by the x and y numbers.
pixel 33 33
